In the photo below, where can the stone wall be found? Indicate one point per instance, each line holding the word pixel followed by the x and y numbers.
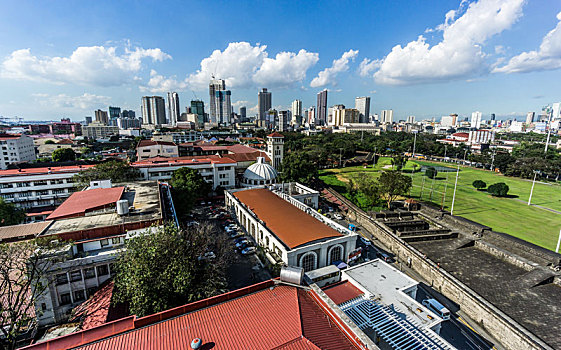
pixel 508 332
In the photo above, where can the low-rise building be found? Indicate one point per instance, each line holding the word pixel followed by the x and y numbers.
pixel 290 231
pixel 15 149
pixel 97 130
pixel 149 149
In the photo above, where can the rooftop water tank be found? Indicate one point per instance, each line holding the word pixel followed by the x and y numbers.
pixel 122 207
pixel 292 274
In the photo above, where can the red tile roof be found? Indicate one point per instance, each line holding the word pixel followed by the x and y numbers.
pixel 99 308
pixel 45 170
pixel 275 134
pixel 262 316
pixel 342 291
pixel 144 143
pixel 81 202
pixel 290 224
pixel 248 157
pixel 174 161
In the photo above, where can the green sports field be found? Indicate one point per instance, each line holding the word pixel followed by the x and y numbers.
pixel 511 215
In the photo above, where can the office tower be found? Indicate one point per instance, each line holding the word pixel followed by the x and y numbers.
pixel 114 112
pixel 386 117
pixel 153 110
pixel 173 108
pixel 492 116
pixel 88 120
pixel 215 85
pixel 101 117
pixel 321 116
pixel 411 119
pixel 223 108
pixel 296 108
pixel 283 117
pixel 331 116
pixel 476 119
pixel 362 104
pixel 530 117
pixel 198 108
pixel 128 114
pixel 243 112
pixel 264 103
pixel 345 116
pixel 556 111
pixel 311 116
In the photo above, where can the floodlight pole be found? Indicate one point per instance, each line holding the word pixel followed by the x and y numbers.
pixel 558 242
pixel 455 186
pixel 532 190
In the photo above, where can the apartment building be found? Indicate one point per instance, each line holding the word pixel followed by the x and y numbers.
pixel 15 149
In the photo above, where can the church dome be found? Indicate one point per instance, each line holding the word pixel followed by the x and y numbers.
pixel 260 173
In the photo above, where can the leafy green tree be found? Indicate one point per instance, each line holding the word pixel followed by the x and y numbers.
pixel 167 268
pixel 500 189
pixel 431 172
pixel 479 184
pixel 399 161
pixel 113 170
pixel 49 142
pixel 393 184
pixel 188 185
pixel 299 167
pixel 63 155
pixel 10 214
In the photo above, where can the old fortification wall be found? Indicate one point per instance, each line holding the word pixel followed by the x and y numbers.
pixel 511 334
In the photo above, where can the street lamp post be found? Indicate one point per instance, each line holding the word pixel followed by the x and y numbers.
pixel 532 190
pixel 414 142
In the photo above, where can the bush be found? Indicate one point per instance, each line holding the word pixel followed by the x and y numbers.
pixel 431 172
pixel 499 189
pixel 479 184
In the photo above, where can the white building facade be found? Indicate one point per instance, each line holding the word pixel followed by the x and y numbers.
pixel 16 149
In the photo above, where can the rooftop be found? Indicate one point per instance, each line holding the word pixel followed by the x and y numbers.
pixel 142 195
pixel 240 319
pixel 290 224
pixel 144 143
pixel 342 292
pixel 20 232
pixel 44 170
pixel 193 160
pixel 81 202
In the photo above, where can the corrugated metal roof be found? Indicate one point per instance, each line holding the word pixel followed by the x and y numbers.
pixel 79 202
pixel 290 224
pixel 342 292
pixel 25 231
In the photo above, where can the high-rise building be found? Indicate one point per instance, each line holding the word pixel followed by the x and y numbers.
pixel 129 114
pixel 476 119
pixel 153 110
pixel 114 112
pixel 345 116
pixel 264 103
pixel 88 120
pixel 223 106
pixel 411 119
pixel 283 119
pixel 322 108
pixel 362 104
pixel 101 117
pixel 173 108
pixel 492 116
pixel 198 108
pixel 386 116
pixel 530 117
pixel 215 85
pixel 243 112
pixel 296 108
pixel 556 111
pixel 311 116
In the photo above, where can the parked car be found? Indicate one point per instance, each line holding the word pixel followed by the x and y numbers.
pixel 235 234
pixel 249 250
pixel 338 216
pixel 242 242
pixel 239 239
pixel 365 241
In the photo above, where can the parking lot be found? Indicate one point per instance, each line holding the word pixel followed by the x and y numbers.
pixel 242 270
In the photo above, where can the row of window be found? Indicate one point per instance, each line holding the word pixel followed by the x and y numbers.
pixel 30 193
pixel 36 183
pixel 87 273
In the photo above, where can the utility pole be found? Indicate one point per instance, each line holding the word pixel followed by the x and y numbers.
pixel 374 163
pixel 493 161
pixel 414 142
pixel 532 190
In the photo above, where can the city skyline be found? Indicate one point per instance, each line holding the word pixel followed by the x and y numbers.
pixel 51 68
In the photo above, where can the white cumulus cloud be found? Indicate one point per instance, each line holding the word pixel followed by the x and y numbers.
pixel 459 54
pixel 160 83
pixel 243 65
pixel 548 56
pixel 367 67
pixel 87 65
pixel 328 75
pixel 85 102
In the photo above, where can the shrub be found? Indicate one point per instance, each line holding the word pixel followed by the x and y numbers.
pixel 431 172
pixel 479 184
pixel 499 189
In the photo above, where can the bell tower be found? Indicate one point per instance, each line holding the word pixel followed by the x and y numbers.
pixel 275 149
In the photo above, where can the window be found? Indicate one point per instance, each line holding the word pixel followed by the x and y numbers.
pixel 59 191
pixel 61 278
pixel 65 299
pixel 79 295
pixel 42 193
pixel 102 270
pixel 40 183
pixel 76 275
pixel 335 254
pixel 115 240
pixel 6 186
pixel 22 184
pixel 104 242
pixel 308 261
pixel 89 272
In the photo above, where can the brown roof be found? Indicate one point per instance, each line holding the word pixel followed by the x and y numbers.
pixel 80 202
pixel 290 224
pixel 275 134
pixel 342 291
pixel 144 143
pixel 25 231
pixel 248 157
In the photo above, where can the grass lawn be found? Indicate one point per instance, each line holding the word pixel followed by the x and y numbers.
pixel 511 215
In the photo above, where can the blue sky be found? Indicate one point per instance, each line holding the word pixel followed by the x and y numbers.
pixel 68 58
